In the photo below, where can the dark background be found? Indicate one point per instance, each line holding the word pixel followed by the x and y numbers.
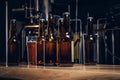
pixel 96 8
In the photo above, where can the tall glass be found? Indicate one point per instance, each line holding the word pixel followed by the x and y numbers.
pixel 31 50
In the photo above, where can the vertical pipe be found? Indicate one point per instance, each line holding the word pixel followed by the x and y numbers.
pixel 69 13
pixel 23 41
pixel 83 48
pixel 36 5
pixel 76 15
pixel 98 22
pixel 6 3
pixel 81 41
pixel 72 51
pixel 30 8
pixel 113 48
pixel 28 56
pixel 76 22
pixel 27 51
pixel 97 42
pixel 44 52
pixel 106 50
pixel 58 43
pixel 72 42
pixel 69 8
pixel 46 4
pixel 46 12
pixel 31 15
pixel 26 13
pixel 36 51
pixel 57 52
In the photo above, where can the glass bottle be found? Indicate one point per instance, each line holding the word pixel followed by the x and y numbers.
pixel 31 33
pixel 40 57
pixel 13 44
pixel 50 56
pixel 90 42
pixel 65 42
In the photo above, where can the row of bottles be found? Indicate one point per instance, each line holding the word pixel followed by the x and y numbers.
pixel 55 47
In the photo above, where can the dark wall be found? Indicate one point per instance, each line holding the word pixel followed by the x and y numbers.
pixel 97 9
pixel 2 30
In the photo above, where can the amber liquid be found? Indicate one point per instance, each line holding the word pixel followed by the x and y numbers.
pixel 13 52
pixel 65 52
pixel 89 51
pixel 50 56
pixel 40 53
pixel 31 52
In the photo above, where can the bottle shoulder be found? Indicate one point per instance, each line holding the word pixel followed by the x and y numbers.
pixel 13 40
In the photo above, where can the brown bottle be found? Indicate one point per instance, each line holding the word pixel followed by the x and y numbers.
pixel 89 42
pixel 65 42
pixel 13 45
pixel 40 57
pixel 50 56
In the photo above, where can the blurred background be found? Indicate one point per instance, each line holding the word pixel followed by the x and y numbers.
pixel 108 9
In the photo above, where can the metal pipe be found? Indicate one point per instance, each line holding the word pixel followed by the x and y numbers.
pixel 23 41
pixel 28 54
pixel 69 13
pixel 36 5
pixel 36 51
pixel 6 3
pixel 98 42
pixel 76 15
pixel 46 4
pixel 98 20
pixel 81 39
pixel 69 8
pixel 30 8
pixel 113 47
pixel 84 48
pixel 44 52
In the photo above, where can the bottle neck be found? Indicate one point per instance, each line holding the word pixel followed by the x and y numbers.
pixel 50 25
pixel 90 26
pixel 66 22
pixel 13 29
pixel 50 28
pixel 66 25
pixel 41 27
